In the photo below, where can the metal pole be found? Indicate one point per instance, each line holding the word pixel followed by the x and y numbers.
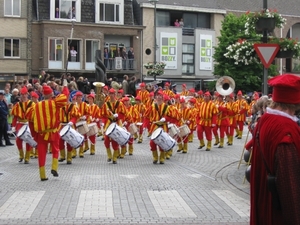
pixel 265 40
pixel 155 36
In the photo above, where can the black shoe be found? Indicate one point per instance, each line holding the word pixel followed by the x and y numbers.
pixel 179 150
pixel 20 160
pixel 201 146
pixel 74 156
pixel 130 153
pixel 108 160
pixel 229 144
pixel 220 146
pixel 61 160
pixel 155 162
pixel 92 153
pixel 239 138
pixel 2 145
pixel 236 135
pixel 26 162
pixel 9 144
pixel 207 149
pixel 81 156
pixel 69 162
pixel 184 152
pixel 161 162
pixel 216 143
pixel 44 179
pixel 114 162
pixel 54 173
pixel 86 150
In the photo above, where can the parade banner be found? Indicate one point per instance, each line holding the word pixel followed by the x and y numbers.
pixel 206 59
pixel 168 52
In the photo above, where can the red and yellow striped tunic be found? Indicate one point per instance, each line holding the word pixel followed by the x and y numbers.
pixel 46 118
pixel 141 109
pixel 223 114
pixel 144 94
pixel 19 111
pixel 95 111
pixel 242 109
pixel 111 108
pixel 84 110
pixel 250 107
pixel 169 93
pixel 69 113
pixel 155 114
pixel 184 93
pixel 186 114
pixel 207 113
pixel 232 110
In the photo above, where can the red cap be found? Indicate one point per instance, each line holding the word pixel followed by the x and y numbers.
pixel 138 98
pixel 177 96
pixel 207 93
pixel 192 90
pixel 167 84
pixel 125 99
pixel 142 84
pixel 34 94
pixel 112 91
pixel 160 93
pixel 182 100
pixel 239 93
pixel 65 91
pixel 193 100
pixel 47 90
pixel 231 95
pixel 91 96
pixel 105 87
pixel 151 94
pixel 79 93
pixel 121 91
pixel 286 88
pixel 184 85
pixel 166 98
pixel 24 91
pixel 200 92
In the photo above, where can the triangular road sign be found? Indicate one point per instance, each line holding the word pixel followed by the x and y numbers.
pixel 266 52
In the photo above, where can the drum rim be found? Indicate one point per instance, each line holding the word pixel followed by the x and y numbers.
pixel 154 132
pixel 68 128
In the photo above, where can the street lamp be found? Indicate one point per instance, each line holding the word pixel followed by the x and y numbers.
pixel 155 42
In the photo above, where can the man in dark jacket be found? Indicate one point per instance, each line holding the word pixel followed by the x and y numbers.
pixel 3 121
pixel 131 86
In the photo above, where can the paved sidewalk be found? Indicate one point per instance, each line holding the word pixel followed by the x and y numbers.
pixel 195 188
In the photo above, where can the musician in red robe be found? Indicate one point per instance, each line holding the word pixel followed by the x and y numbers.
pixel 276 153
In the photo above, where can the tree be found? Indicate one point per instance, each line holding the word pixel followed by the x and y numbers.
pixel 247 78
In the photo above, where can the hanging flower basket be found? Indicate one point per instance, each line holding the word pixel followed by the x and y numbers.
pixel 265 24
pixel 285 54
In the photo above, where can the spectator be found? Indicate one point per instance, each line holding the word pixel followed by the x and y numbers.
pixel 115 85
pixel 124 58
pixel 176 23
pixel 73 54
pixel 80 84
pixel 125 85
pixel 131 58
pixel 181 23
pixel 131 86
pixel 15 97
pixel 7 95
pixel 56 12
pixel 105 57
pixel 3 121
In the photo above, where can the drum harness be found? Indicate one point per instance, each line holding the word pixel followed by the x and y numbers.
pixel 66 113
pixel 163 112
pixel 113 110
pixel 22 108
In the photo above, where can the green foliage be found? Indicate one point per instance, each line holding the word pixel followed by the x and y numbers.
pixel 247 77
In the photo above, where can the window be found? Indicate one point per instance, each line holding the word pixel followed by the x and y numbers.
pixel 12 48
pixel 65 10
pixel 12 7
pixel 91 47
pixel 74 50
pixel 55 49
pixel 188 51
pixel 110 12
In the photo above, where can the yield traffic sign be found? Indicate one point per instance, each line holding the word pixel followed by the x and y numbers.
pixel 266 52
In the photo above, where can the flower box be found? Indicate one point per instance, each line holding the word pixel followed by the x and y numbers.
pixel 265 24
pixel 285 54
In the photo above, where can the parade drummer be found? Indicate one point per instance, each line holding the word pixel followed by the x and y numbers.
pixel 141 109
pixel 115 111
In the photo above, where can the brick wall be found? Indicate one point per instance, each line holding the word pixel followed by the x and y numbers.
pixel 13 66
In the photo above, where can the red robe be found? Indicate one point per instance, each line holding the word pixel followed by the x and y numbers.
pixel 277 133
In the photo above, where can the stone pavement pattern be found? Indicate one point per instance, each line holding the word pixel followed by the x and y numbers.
pixel 195 188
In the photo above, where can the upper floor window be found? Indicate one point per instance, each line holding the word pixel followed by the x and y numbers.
pixel 65 10
pixel 11 48
pixel 110 12
pixel 12 7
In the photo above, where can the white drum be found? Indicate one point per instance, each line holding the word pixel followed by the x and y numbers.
pixel 184 130
pixel 82 127
pixel 118 134
pixel 71 136
pixel 163 139
pixel 93 129
pixel 132 129
pixel 173 130
pixel 25 134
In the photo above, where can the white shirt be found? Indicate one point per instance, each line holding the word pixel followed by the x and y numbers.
pixel 73 52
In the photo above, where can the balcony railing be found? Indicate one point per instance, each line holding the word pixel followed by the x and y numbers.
pixel 120 64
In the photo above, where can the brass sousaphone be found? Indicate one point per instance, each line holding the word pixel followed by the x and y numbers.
pixel 225 85
pixel 100 97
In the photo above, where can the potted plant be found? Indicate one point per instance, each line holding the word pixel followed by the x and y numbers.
pixel 264 20
pixel 289 47
pixel 155 68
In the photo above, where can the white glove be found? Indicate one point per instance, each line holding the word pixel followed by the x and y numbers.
pixel 70 123
pixel 13 129
pixel 213 125
pixel 187 122
pixel 125 123
pixel 83 118
pixel 163 120
pixel 97 120
pixel 116 115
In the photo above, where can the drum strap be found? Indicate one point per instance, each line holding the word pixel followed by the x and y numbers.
pixel 110 107
pixel 163 112
pixel 69 110
pixel 28 106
